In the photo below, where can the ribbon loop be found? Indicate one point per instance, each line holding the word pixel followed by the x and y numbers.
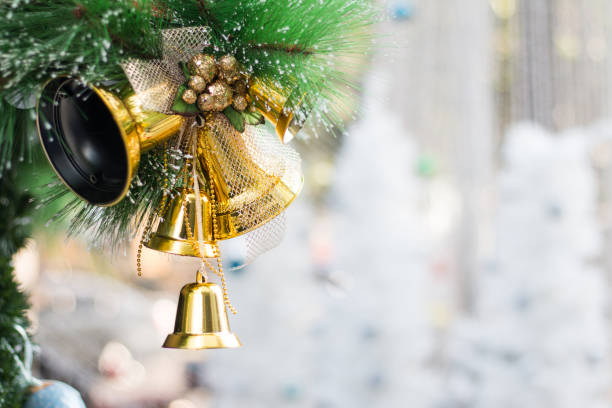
pixel 157 81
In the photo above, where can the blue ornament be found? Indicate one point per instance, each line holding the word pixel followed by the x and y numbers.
pixel 44 394
pixel 402 10
pixel 237 266
pixel 291 392
pixel 54 394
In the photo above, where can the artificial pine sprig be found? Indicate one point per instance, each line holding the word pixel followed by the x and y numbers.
pixel 310 48
pixel 14 230
pixel 40 39
pixel 110 227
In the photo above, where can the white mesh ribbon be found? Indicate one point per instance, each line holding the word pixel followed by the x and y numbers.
pixel 156 81
pixel 261 176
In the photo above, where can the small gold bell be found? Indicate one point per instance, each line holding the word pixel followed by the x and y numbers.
pixel 201 319
pixel 170 234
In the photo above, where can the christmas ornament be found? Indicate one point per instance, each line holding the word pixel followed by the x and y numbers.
pixel 190 96
pixel 402 10
pixel 203 65
pixel 206 102
pixel 94 139
pixel 197 84
pixel 54 394
pixel 221 94
pixel 240 87
pixel 273 103
pixel 236 194
pixel 215 97
pixel 153 116
pixel 228 67
pixel 42 394
pixel 218 95
pixel 100 170
pixel 201 319
pixel 240 103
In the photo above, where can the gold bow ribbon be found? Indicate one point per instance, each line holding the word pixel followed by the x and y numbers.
pixel 156 81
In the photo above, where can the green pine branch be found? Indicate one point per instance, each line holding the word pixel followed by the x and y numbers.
pixel 310 48
pixel 284 48
pixel 14 230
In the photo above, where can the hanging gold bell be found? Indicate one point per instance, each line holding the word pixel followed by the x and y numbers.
pixel 170 235
pixel 201 319
pixel 246 196
pixel 93 137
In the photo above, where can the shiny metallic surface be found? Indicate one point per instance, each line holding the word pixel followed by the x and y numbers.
pixel 261 183
pixel 270 102
pixel 201 320
pixel 129 132
pixel 140 131
pixel 169 233
pixel 153 127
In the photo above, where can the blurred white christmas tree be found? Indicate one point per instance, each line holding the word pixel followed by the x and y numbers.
pixel 539 337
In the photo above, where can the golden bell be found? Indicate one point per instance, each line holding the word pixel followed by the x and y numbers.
pixel 260 198
pixel 93 137
pixel 201 319
pixel 170 235
pixel 271 102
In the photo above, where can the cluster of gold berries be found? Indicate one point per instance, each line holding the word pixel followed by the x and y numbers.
pixel 215 84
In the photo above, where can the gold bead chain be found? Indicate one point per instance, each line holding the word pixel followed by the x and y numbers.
pixel 190 236
pixel 193 242
pixel 159 212
pixel 213 205
pixel 219 270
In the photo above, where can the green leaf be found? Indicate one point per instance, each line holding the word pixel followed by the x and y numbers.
pixel 185 70
pixel 253 118
pixel 180 106
pixel 235 118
